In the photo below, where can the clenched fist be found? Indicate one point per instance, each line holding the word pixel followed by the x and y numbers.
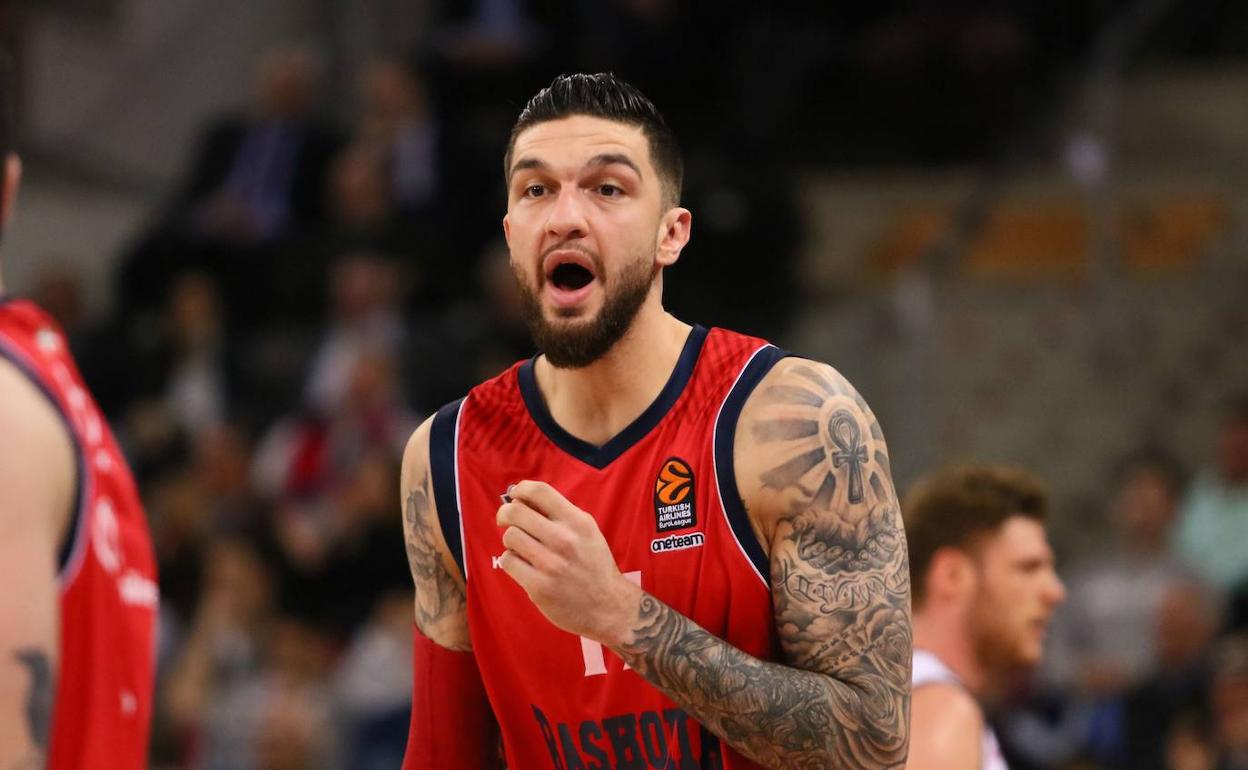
pixel 557 554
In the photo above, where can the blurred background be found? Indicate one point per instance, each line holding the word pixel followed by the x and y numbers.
pixel 271 230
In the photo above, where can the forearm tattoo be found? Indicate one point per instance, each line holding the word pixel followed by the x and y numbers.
pixel 841 590
pixel 439 595
pixel 38 708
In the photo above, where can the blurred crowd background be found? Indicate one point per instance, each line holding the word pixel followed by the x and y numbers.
pixel 272 232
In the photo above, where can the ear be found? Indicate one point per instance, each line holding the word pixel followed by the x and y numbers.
pixel 674 232
pixel 12 179
pixel 507 229
pixel 951 575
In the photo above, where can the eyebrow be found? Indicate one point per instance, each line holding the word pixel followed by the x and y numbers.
pixel 611 158
pixel 524 164
pixel 602 159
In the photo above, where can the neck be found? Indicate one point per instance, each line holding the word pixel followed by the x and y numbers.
pixel 944 635
pixel 598 401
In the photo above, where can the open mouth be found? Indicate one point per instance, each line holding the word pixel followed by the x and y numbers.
pixel 570 276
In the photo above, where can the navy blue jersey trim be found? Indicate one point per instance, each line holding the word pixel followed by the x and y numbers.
pixel 67 547
pixel 601 457
pixel 725 439
pixel 443 434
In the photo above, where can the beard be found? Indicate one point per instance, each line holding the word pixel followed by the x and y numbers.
pixel 998 644
pixel 574 345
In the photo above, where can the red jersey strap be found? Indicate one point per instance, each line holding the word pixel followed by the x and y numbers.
pixel 759 364
pixel 444 469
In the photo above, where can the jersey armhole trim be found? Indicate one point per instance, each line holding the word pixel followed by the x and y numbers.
pixel 70 550
pixel 444 469
pixel 724 441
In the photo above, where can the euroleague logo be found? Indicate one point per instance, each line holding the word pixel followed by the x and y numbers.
pixel 674 496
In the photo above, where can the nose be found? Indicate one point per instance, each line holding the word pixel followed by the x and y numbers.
pixel 565 219
pixel 1057 589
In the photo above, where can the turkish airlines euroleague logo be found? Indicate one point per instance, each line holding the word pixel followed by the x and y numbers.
pixel 674 496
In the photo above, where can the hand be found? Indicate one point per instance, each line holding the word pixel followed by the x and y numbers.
pixel 557 554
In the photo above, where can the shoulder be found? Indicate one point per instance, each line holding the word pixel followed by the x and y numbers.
pixel 36 452
pixel 803 421
pixel 946 727
pixel 803 382
pixel 416 452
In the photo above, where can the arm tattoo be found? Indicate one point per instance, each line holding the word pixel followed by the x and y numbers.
pixel 841 592
pixel 438 594
pixel 39 704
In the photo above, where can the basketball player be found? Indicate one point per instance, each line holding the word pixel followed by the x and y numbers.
pixel 77 574
pixel 653 545
pixel 984 590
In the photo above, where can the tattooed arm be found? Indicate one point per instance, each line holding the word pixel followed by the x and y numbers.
pixel 37 476
pixel 441 609
pixel 813 470
pixel 452 725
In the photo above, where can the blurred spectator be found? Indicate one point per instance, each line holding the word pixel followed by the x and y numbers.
pixel 181 523
pixel 365 318
pixel 309 453
pixel 404 131
pixel 195 389
pixel 1119 718
pixel 331 471
pixel 361 202
pixel 1103 639
pixel 397 119
pixel 334 566
pixel 1187 620
pixel 1190 746
pixel 362 219
pixel 1215 514
pixel 288 707
pixel 221 463
pixel 1229 701
pixel 221 656
pixel 373 687
pixel 184 376
pixel 192 507
pixel 253 179
pixel 253 176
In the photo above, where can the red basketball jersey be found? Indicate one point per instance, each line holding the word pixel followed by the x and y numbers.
pixel 664 495
pixel 107 569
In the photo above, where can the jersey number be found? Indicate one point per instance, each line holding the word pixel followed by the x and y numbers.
pixel 595 661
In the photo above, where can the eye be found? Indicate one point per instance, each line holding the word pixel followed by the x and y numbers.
pixel 534 191
pixel 609 191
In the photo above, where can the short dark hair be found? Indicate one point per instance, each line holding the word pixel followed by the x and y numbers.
pixel 605 96
pixel 959 506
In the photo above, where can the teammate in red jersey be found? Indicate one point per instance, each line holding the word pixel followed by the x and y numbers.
pixel 653 545
pixel 78 604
